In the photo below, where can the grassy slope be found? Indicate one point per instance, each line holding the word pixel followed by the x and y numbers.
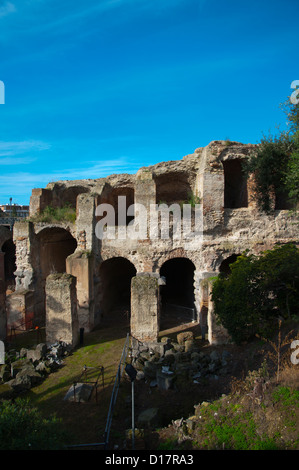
pixel 239 421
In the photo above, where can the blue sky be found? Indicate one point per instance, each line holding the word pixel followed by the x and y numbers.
pixel 108 86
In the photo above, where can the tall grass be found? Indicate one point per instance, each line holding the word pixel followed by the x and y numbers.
pixel 56 214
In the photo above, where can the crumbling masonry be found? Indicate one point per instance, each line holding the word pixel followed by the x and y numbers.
pixel 144 277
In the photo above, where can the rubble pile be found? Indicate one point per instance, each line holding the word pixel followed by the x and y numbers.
pixel 25 368
pixel 162 363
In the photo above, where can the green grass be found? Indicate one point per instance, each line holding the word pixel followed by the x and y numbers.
pixel 237 432
pixel 286 397
pixel 56 214
pixel 81 423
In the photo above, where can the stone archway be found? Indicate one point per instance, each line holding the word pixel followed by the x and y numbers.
pixel 177 295
pixel 7 261
pixel 54 245
pixel 9 250
pixel 7 258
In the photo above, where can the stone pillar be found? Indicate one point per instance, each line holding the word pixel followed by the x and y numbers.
pixel 217 334
pixel 61 309
pixel 201 290
pixel 145 195
pixel 85 222
pixel 145 306
pixel 23 235
pixel 145 189
pixel 204 304
pixel 80 265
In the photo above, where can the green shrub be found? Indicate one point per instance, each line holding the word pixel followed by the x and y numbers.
pixel 23 428
pixel 258 291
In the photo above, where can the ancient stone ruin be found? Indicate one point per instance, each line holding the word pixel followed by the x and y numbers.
pixel 63 276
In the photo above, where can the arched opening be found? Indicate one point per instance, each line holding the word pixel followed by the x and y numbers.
pixel 225 265
pixel 235 185
pixel 111 196
pixel 173 187
pixel 177 295
pixel 9 249
pixel 55 245
pixel 69 195
pixel 62 196
pixel 115 289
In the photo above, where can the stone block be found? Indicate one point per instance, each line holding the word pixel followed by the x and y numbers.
pixel 148 417
pixel 184 336
pixel 164 381
pixel 79 392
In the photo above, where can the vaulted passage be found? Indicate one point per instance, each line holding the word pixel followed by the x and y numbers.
pixel 177 296
pixel 115 287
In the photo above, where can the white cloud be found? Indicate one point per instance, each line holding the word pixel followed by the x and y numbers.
pixel 22 183
pixel 9 149
pixel 16 160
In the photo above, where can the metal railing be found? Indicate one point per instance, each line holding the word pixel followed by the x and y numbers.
pixel 10 221
pixel 118 377
pixel 117 381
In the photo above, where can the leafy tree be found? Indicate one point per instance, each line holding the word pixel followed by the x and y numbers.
pixel 258 291
pixel 274 164
pixel 292 173
pixel 22 428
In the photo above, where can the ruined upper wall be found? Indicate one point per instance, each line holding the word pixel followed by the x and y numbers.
pixel 174 179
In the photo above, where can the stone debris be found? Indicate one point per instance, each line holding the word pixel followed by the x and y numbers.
pixel 161 364
pixel 79 393
pixel 28 367
pixel 148 417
